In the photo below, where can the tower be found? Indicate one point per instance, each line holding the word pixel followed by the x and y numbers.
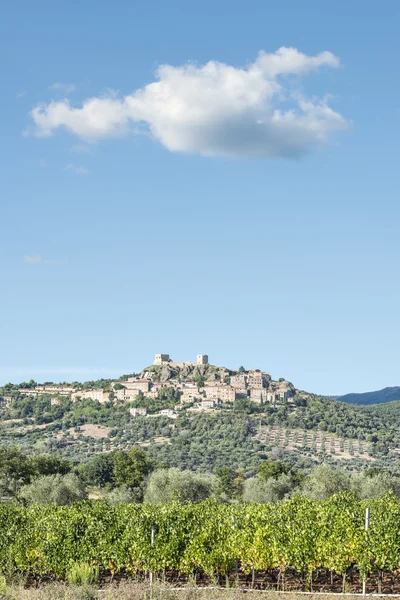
pixel 161 358
pixel 202 359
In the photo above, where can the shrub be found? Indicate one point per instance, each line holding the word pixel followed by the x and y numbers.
pixel 82 574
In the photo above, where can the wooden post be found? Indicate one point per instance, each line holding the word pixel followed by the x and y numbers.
pixel 380 577
pixel 236 561
pixel 153 535
pixel 367 519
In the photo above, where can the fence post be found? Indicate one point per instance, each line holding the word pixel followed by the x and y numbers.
pixel 153 535
pixel 367 519
pixel 236 561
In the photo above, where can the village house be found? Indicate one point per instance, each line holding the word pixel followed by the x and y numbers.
pixel 189 394
pixel 6 400
pixel 258 395
pixel 239 381
pixel 55 389
pixel 209 403
pixel 167 412
pixel 94 394
pixel 137 385
pixel 47 389
pixel 138 412
pixel 225 393
pixel 257 378
pixel 127 395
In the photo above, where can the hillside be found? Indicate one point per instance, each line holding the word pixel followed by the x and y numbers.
pixel 198 417
pixel 307 431
pixel 389 394
pixel 185 372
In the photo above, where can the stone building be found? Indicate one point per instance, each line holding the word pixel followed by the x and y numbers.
pixel 202 359
pixel 138 412
pixel 168 412
pixel 159 359
pixel 137 385
pixel 209 403
pixel 258 378
pixel 258 395
pixel 61 390
pixel 225 393
pixel 94 394
pixel 5 400
pixel 239 381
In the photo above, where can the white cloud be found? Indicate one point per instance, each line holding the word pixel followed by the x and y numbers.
pixel 35 259
pixel 64 88
pixel 214 110
pixel 77 170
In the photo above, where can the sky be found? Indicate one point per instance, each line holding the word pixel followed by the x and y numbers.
pixel 215 177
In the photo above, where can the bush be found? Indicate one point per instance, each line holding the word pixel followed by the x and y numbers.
pixel 325 481
pixel 125 495
pixel 166 485
pixel 272 490
pixel 3 585
pixel 82 574
pixel 60 489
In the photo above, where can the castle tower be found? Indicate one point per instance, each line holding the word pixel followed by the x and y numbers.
pixel 202 359
pixel 159 359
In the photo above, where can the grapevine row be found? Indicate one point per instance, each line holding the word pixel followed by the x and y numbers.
pixel 214 538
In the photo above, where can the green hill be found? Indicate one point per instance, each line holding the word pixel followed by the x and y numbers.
pixel 389 394
pixel 307 430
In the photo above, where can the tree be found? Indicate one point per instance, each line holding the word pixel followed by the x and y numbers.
pixel 229 484
pixel 376 485
pixel 124 495
pixel 271 469
pixel 130 468
pixel 15 470
pixel 98 472
pixel 50 465
pixel 242 405
pixel 168 394
pixel 325 481
pixel 60 489
pixel 119 386
pixel 199 379
pixel 242 369
pixel 166 485
pixel 272 490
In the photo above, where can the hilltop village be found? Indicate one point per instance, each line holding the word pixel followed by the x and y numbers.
pixel 199 386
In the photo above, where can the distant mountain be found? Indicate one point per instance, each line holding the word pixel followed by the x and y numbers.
pixel 388 394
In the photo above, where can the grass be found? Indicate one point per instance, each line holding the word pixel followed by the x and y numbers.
pixel 142 591
pixel 82 574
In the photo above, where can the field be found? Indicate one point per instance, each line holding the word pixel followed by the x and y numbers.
pixel 297 544
pixel 316 442
pixel 143 591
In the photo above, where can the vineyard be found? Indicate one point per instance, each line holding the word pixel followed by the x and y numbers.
pixel 316 541
pixel 314 441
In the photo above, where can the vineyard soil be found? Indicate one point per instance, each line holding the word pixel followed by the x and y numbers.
pixel 141 591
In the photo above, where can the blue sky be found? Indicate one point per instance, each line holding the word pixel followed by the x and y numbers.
pixel 230 203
